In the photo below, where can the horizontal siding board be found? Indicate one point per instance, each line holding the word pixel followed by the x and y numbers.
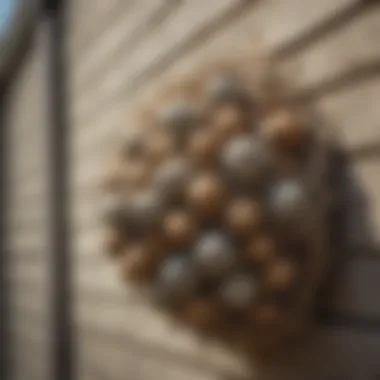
pixel 121 309
pixel 354 111
pixel 282 23
pixel 262 26
pixel 28 215
pixel 30 303
pixel 209 360
pixel 118 40
pixel 341 52
pixel 29 272
pixel 30 350
pixel 182 25
pixel 333 354
pixel 245 31
pixel 124 364
pixel 88 19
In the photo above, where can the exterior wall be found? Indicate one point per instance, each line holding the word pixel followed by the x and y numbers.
pixel 28 219
pixel 118 49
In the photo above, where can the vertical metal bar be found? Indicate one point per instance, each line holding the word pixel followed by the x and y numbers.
pixel 60 271
pixel 5 347
pixel 18 51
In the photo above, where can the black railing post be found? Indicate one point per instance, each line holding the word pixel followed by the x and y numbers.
pixel 20 34
pixel 60 271
pixel 5 342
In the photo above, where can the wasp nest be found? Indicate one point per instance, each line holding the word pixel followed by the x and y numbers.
pixel 220 207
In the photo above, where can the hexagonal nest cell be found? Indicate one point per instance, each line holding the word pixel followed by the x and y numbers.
pixel 221 206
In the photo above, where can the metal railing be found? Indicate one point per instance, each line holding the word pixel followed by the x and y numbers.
pixel 60 302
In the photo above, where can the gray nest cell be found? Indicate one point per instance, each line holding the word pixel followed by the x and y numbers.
pixel 177 279
pixel 214 254
pixel 246 160
pixel 239 291
pixel 172 177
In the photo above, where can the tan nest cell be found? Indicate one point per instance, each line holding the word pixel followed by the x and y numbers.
pixel 206 194
pixel 244 216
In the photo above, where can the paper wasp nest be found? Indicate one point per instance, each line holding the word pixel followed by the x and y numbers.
pixel 220 206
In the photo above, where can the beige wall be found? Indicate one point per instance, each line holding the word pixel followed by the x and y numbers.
pixel 116 50
pixel 28 223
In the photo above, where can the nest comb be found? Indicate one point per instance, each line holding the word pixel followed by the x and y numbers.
pixel 221 207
